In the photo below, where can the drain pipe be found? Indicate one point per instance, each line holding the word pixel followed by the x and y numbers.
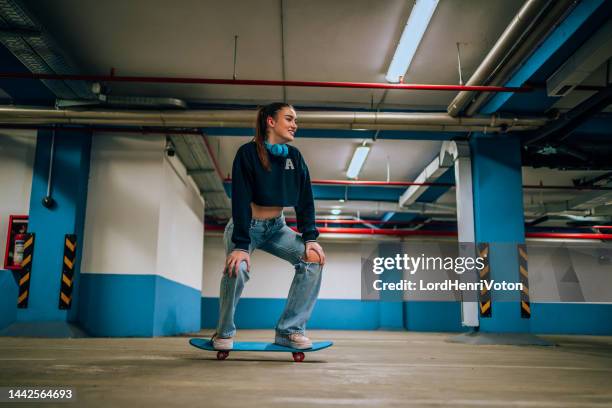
pixel 509 38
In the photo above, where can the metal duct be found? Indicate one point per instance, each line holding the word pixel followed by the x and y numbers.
pixel 547 23
pixel 509 38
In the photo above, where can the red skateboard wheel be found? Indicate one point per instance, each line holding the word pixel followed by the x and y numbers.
pixel 298 357
pixel 222 355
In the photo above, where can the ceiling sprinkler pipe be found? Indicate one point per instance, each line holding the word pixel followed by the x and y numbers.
pixel 376 183
pixel 405 233
pixel 260 82
pixel 568 235
pixel 354 221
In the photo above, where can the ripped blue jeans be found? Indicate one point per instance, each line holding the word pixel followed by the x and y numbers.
pixel 276 238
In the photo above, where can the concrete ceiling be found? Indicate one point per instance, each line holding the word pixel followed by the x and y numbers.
pixel 329 158
pixel 343 40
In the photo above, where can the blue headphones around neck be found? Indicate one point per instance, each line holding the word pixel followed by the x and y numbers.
pixel 280 150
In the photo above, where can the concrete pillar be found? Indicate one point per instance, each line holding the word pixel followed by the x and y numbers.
pixel 69 179
pixel 391 307
pixel 499 221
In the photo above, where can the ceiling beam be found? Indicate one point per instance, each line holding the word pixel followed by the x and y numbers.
pixel 552 44
pixel 589 57
pixel 562 127
pixel 432 172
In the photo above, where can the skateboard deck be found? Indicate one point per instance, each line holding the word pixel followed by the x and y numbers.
pixel 298 354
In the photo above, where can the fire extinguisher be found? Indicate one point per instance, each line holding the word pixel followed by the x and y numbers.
pixel 18 251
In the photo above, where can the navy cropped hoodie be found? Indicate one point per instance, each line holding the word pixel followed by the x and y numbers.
pixel 286 185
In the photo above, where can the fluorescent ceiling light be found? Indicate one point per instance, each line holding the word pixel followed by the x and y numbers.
pixel 411 38
pixel 359 157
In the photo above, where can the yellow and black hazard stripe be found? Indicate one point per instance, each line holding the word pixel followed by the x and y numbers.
pixel 25 272
pixel 524 279
pixel 70 245
pixel 485 305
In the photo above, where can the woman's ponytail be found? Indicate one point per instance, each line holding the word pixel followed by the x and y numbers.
pixel 261 128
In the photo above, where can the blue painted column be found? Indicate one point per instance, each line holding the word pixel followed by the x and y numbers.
pixel 391 306
pixel 499 221
pixel 50 225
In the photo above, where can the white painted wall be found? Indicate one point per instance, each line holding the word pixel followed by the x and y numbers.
pixel 17 152
pixel 271 276
pixel 570 271
pixel 122 213
pixel 180 245
pixel 144 215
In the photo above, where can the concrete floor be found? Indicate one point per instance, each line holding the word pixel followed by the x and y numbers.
pixel 395 369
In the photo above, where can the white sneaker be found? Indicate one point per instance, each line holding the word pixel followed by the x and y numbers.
pixel 222 343
pixel 293 340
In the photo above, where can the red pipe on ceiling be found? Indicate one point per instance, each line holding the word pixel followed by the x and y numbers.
pixel 552 235
pixel 213 158
pixel 390 232
pixel 378 183
pixel 260 82
pixel 568 235
pixel 434 184
pixel 102 129
pixel 410 183
pixel 395 223
pixel 369 183
pixel 403 233
pixel 373 222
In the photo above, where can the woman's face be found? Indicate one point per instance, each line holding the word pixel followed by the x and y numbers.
pixel 283 126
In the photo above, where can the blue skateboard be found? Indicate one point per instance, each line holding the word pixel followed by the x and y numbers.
pixel 298 354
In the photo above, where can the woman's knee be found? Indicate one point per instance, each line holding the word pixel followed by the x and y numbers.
pixel 312 256
pixel 244 269
pixel 240 272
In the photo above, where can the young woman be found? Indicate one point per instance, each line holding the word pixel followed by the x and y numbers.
pixel 267 175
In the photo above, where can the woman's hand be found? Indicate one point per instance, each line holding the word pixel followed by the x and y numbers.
pixel 314 246
pixel 232 263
